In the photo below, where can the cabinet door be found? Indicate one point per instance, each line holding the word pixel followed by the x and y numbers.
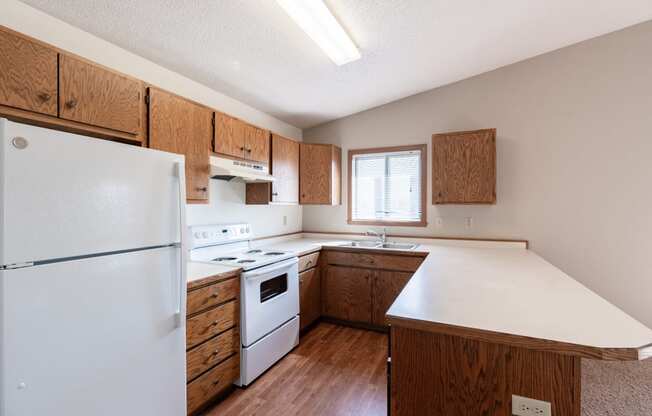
pixel 386 288
pixel 229 136
pixel 257 144
pixel 464 167
pixel 285 168
pixel 28 74
pixel 309 296
pixel 347 293
pixel 315 166
pixel 93 95
pixel 180 126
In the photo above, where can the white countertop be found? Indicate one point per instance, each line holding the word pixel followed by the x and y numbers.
pixel 502 288
pixel 198 270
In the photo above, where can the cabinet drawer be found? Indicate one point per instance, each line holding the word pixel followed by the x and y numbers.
pixel 208 296
pixel 211 352
pixel 375 261
pixel 212 383
pixel 207 324
pixel 308 261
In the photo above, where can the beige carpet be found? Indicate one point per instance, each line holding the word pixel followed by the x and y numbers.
pixel 617 388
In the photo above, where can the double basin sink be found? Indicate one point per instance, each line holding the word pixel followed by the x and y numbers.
pixel 379 245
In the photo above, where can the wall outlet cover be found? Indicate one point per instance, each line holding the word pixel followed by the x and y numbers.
pixel 523 406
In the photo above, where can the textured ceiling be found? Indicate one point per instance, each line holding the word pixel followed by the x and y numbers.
pixel 252 51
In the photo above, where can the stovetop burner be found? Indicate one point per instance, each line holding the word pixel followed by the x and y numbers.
pixel 254 251
pixel 224 258
pixel 246 261
pixel 274 253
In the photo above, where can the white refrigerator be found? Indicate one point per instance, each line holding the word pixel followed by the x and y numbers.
pixel 92 276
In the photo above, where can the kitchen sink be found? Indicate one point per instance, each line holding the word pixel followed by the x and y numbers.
pixel 365 244
pixel 398 246
pixel 376 244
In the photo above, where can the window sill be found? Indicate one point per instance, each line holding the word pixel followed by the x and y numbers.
pixel 389 223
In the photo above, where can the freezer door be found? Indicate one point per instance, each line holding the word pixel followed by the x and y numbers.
pixel 64 195
pixel 94 337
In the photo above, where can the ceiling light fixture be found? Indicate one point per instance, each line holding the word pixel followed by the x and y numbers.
pixel 319 23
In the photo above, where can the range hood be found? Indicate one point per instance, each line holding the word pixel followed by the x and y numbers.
pixel 239 170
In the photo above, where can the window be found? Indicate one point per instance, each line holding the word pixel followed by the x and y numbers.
pixel 387 186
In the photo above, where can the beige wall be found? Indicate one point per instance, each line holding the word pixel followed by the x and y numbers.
pixel 574 159
pixel 227 200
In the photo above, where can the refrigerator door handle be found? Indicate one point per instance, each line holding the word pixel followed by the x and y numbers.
pixel 179 315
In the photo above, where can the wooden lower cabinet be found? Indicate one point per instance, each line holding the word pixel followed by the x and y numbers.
pixel 387 286
pixel 309 296
pixel 438 374
pixel 213 341
pixel 361 286
pixel 212 383
pixel 346 293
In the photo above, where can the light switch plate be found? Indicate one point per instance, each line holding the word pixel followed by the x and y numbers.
pixel 523 406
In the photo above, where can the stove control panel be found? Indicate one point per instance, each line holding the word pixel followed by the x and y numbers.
pixel 210 235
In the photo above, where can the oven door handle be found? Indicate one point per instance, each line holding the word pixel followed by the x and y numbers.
pixel 265 271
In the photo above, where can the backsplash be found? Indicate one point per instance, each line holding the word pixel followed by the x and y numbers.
pixel 227 205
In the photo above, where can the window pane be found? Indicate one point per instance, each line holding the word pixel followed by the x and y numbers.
pixel 387 186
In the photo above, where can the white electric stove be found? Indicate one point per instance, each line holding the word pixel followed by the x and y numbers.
pixel 269 293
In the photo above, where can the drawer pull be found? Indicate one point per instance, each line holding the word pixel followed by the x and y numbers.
pixel 213 355
pixel 216 382
pixel 215 295
pixel 309 263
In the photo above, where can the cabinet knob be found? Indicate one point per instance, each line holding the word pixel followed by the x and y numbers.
pixel 44 96
pixel 203 189
pixel 248 150
pixel 215 295
pixel 216 382
pixel 242 148
pixel 71 103
pixel 274 193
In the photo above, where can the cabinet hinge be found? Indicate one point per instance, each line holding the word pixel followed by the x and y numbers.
pixel 16 266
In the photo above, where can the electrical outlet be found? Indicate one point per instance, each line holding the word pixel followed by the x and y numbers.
pixel 468 222
pixel 285 220
pixel 523 406
pixel 439 222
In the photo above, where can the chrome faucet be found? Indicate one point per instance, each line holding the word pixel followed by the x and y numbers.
pixel 382 237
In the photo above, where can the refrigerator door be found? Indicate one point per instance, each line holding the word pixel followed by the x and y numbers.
pixel 63 195
pixel 94 337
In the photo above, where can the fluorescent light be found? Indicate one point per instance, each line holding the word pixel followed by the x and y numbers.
pixel 319 23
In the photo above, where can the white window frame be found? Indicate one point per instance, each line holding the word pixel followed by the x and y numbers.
pixel 422 222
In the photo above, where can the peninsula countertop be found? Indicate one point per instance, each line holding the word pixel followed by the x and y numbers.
pixel 507 292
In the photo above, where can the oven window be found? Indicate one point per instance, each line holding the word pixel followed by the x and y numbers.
pixel 273 287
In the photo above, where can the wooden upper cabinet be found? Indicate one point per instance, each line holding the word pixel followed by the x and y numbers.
pixel 464 167
pixel 98 96
pixel 309 296
pixel 256 144
pixel 180 126
pixel 229 136
pixel 346 293
pixel 320 174
pixel 285 168
pixel 28 74
pixel 238 139
pixel 386 288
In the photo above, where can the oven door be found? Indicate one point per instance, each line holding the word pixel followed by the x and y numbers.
pixel 270 298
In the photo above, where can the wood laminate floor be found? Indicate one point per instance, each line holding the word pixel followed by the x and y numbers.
pixel 335 371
